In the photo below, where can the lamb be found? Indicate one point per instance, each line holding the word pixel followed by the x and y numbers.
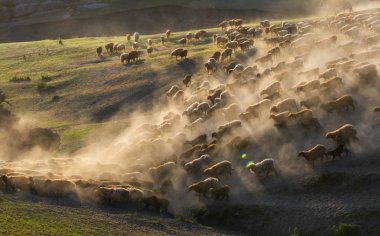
pixel 329 74
pixel 317 152
pixel 280 119
pixel 338 151
pixel 310 102
pixel 160 204
pixel 308 87
pixel 187 80
pixel 203 187
pixel 227 53
pixel 99 51
pixel 265 166
pixel 182 41
pixel 136 36
pixel 222 193
pixel 271 89
pixel 216 56
pixel 343 103
pixel 196 166
pixel 221 40
pixel 288 104
pixel 210 66
pixel 219 169
pixel 176 52
pixel 343 135
pixel 162 171
pixel 172 91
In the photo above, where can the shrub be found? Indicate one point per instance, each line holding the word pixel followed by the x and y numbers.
pixel 46 78
pixel 345 230
pixel 16 79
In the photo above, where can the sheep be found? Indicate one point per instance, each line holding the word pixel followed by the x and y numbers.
pixel 317 152
pixel 310 102
pixel 99 51
pixel 271 89
pixel 55 188
pixel 160 204
pixel 136 36
pixel 226 129
pixel 203 108
pixel 172 91
pixel 310 73
pixel 288 104
pixel 264 59
pixel 199 34
pixel 233 45
pixel 189 36
pixel 219 169
pixel 230 66
pixel 202 187
pixel 338 151
pixel 162 171
pixel 149 50
pixel 343 135
pixel 308 87
pixel 109 47
pixel 150 42
pixel 275 52
pixel 120 47
pixel 299 116
pixel 135 46
pixel 343 103
pixel 210 66
pixel 223 24
pixel 128 36
pixel 329 74
pixel 179 96
pixel 367 73
pixel 332 84
pixel 245 45
pixel 17 182
pixel 196 166
pixel 183 54
pixel 231 111
pixel 215 95
pixel 265 166
pixel 176 52
pixel 187 80
pixel 227 53
pixel 280 119
pixel 216 56
pixel 162 39
pixel 237 69
pixel 254 111
pixel 124 57
pixel 265 23
pixel 189 153
pixel 168 33
pixel 222 193
pixel 201 139
pixel 182 41
pixel 112 195
pixel 221 40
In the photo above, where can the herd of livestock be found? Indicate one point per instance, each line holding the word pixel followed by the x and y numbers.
pixel 207 138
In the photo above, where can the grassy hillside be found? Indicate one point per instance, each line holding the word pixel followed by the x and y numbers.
pixel 90 90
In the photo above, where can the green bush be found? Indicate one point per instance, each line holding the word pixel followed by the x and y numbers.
pixel 16 79
pixel 343 229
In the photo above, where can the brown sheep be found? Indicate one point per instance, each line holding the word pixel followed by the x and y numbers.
pixel 187 80
pixel 109 47
pixel 17 183
pixel 338 151
pixel 182 41
pixel 271 89
pixel 343 103
pixel 99 51
pixel 343 135
pixel 189 153
pixel 317 152
pixel 160 204
pixel 222 193
pixel 128 37
pixel 301 115
pixel 329 74
pixel 201 139
pixel 308 87
pixel 216 56
pixel 203 187
pixel 168 33
pixel 183 54
pixel 227 53
pixel 176 52
pixel 313 73
pixel 149 50
pixel 219 169
pixel 215 95
pixel 210 66
pixel 196 166
pixel 280 119
pixel 332 84
pixel 265 59
pixel 288 104
pixel 162 171
pixel 310 102
pixel 162 38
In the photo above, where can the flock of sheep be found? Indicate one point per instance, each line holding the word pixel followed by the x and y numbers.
pixel 219 123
